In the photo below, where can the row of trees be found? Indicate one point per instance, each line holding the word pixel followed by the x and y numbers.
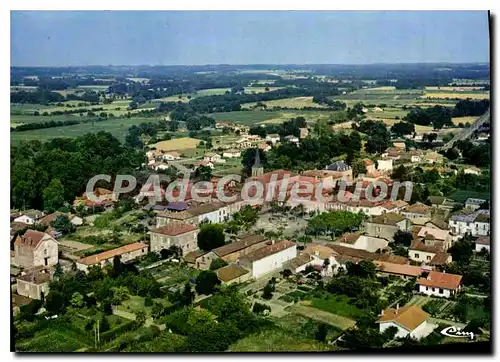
pixel 438 117
pixel 290 127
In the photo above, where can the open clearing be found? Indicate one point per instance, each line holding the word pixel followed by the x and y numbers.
pixel 464 120
pixel 454 89
pixel 322 316
pixel 251 90
pixel 297 102
pixel 177 144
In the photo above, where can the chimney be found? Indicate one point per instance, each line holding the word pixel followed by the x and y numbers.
pixel 316 252
pixel 382 312
pixel 397 308
pixel 272 241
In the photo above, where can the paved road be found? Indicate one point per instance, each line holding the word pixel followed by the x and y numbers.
pixel 466 133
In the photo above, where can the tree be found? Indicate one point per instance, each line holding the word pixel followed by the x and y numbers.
pixel 140 317
pixel 403 128
pixel 321 332
pixel 103 324
pixel 58 272
pixel 217 264
pixel 54 303
pixel 203 173
pixel 187 296
pixel 452 154
pixel 211 236
pixel 63 225
pixel 403 238
pixel 267 293
pixel 461 251
pixel 77 300
pixel 358 167
pixel 206 282
pixel 53 195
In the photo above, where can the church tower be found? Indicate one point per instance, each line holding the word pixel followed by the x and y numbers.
pixel 257 169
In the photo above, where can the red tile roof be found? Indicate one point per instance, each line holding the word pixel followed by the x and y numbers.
pixel 97 258
pixel 174 229
pixel 441 280
pixel 409 317
pixel 31 238
pixel 269 250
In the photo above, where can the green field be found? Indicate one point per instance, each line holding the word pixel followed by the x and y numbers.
pixel 117 127
pixel 338 305
pixel 463 195
pixel 244 117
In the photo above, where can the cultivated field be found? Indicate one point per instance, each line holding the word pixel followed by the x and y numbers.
pixel 177 144
pixel 297 102
pixel 117 127
pixel 322 316
pixel 456 95
pixel 464 120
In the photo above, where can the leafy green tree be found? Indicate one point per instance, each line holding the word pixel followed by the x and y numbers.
pixel 63 225
pixel 187 296
pixel 461 251
pixel 206 282
pixel 77 300
pixel 403 238
pixel 203 173
pixel 267 292
pixel 58 271
pixel 103 324
pixel 54 303
pixel 211 236
pixel 53 195
pixel 140 317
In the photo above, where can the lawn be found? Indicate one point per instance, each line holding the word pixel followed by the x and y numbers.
pixel 336 304
pixel 53 340
pixel 173 274
pixel 322 316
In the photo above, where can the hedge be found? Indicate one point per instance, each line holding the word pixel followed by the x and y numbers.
pixel 111 334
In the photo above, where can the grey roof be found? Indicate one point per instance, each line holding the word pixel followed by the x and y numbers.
pixel 338 166
pixel 469 217
pixel 472 201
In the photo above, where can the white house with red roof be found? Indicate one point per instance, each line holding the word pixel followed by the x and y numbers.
pixel 440 284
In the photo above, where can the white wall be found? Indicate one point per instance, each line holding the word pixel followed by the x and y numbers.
pixel 25 219
pixel 479 247
pixel 273 262
pixel 422 330
pixel 434 291
pixel 420 256
pixel 401 331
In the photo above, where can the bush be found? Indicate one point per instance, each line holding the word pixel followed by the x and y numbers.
pixel 111 334
pixel 148 302
pixel 259 308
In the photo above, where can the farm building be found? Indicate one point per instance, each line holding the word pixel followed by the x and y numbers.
pixel 126 253
pixel 269 258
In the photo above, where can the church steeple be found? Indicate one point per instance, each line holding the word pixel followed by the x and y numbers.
pixel 257 168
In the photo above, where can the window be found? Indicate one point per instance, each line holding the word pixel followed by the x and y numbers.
pixel 428 257
pixel 441 291
pixel 45 252
pixel 417 256
pixel 433 289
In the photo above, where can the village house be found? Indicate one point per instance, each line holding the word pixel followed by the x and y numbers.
pixel 292 139
pixel 385 164
pixel 211 157
pixel 370 166
pixel 171 156
pixel 417 211
pixel 269 258
pixel 343 254
pixel 126 253
pixel 439 284
pixel 159 166
pixel 153 154
pixel 30 217
pixel 231 153
pixel 429 246
pixel 300 263
pixel 48 219
pixel 304 132
pixel 474 204
pixel 399 145
pixel 319 253
pixel 273 138
pixel 342 170
pixel 404 271
pixel 386 225
pixel 472 171
pixel 264 147
pixel 433 157
pixel 475 224
pixel 35 248
pixel 183 236
pixel 364 242
pixel 15 227
pixel 441 203
pixel 215 212
pixel 409 320
pixel 243 246
pixel 200 259
pixel 34 283
pixel 481 243
pixel 393 206
pixel 232 274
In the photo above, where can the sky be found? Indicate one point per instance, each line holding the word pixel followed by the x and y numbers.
pixel 77 38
